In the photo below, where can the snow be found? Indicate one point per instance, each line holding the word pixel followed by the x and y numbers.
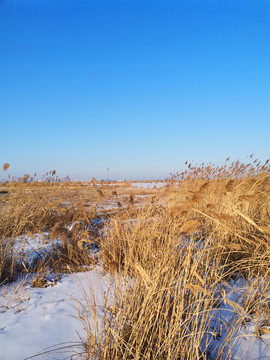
pixel 245 342
pixel 248 346
pixel 148 185
pixel 123 200
pixel 36 319
pixel 29 248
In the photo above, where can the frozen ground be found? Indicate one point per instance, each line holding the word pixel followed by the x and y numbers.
pixel 36 320
pixel 29 248
pixel 246 342
pixel 121 201
pixel 148 185
pixel 45 320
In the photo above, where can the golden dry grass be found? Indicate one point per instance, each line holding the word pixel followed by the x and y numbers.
pixel 175 255
pixel 29 208
pixel 174 252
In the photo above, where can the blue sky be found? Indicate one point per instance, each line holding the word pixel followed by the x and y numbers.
pixel 137 86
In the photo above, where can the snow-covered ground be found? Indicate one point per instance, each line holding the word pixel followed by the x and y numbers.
pixel 44 320
pixel 31 247
pixel 36 320
pixel 121 201
pixel 148 185
pixel 246 342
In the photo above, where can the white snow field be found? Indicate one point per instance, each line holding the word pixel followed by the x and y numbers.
pixel 36 320
pixel 148 185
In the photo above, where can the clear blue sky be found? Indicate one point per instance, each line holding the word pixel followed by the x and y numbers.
pixel 138 86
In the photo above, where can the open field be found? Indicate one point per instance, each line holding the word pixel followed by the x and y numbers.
pixel 176 270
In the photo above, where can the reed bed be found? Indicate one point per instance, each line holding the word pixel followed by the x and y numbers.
pixel 175 258
pixel 178 256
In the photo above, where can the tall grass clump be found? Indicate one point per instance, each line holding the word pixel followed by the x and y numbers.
pixel 27 209
pixel 163 303
pixel 233 205
pixel 176 259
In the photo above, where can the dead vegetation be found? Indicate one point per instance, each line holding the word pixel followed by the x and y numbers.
pixel 181 252
pixel 175 253
pixel 30 208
